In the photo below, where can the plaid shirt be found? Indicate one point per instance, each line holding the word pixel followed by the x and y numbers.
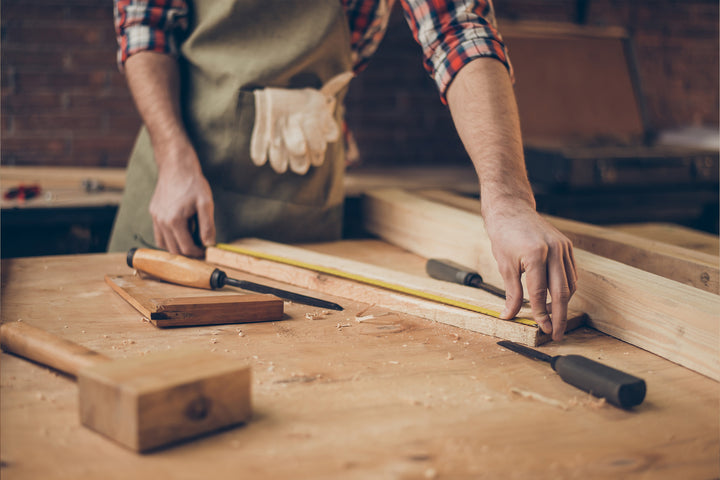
pixel 450 32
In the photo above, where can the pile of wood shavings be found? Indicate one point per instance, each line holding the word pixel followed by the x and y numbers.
pixel 317 315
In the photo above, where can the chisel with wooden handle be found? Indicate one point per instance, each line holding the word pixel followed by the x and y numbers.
pixel 195 273
pixel 617 387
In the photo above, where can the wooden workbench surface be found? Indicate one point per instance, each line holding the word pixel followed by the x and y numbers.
pixel 389 397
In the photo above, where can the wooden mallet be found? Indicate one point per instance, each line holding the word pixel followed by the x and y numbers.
pixel 146 402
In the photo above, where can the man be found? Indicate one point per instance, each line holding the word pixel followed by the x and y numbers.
pixel 238 98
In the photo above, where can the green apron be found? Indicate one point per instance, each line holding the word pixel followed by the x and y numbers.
pixel 234 47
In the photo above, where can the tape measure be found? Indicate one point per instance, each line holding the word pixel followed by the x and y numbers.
pixel 370 281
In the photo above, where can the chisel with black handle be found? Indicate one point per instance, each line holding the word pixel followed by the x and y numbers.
pixel 618 388
pixel 449 271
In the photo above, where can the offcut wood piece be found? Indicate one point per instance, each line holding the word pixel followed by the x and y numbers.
pixel 168 305
pixel 147 402
pixel 384 287
pixel 675 321
pixel 683 265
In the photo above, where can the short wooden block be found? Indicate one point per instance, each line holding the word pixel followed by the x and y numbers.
pixel 152 401
pixel 167 305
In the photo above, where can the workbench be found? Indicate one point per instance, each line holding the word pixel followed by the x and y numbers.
pixel 392 396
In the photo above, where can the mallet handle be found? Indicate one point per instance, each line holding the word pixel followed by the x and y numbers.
pixel 44 347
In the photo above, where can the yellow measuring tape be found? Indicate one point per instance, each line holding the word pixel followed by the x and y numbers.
pixel 369 281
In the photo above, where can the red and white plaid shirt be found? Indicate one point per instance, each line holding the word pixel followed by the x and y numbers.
pixel 450 32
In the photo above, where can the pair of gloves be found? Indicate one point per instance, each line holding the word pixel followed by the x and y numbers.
pixel 293 126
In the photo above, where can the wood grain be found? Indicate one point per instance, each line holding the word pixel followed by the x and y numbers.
pixel 168 305
pixel 668 318
pixel 395 300
pixel 684 265
pixel 395 397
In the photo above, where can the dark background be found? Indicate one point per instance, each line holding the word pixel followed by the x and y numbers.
pixel 64 102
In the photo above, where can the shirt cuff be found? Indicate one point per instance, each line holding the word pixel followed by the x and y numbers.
pixel 446 62
pixel 142 38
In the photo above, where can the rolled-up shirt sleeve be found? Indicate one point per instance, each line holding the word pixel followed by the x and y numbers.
pixel 452 33
pixel 150 25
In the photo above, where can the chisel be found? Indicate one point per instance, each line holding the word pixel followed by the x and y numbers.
pixel 619 388
pixel 449 271
pixel 195 273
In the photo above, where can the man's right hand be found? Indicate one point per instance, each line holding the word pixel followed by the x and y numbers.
pixel 181 192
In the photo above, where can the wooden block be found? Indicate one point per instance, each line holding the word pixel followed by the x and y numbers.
pixel 151 401
pixel 389 289
pixel 675 321
pixel 167 305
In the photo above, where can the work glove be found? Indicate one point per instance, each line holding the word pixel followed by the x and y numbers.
pixel 293 126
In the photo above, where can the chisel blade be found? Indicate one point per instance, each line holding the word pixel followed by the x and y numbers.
pixel 526 351
pixel 292 296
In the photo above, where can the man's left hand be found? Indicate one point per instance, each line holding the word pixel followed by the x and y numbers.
pixel 523 242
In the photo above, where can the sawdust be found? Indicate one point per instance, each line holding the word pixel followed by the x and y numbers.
pixel 588 401
pixel 317 315
pixel 537 397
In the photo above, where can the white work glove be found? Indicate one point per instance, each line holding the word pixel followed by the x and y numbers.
pixel 294 126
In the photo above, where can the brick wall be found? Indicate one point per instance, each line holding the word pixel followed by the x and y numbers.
pixel 64 103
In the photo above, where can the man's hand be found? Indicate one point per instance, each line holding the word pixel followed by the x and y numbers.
pixel 523 242
pixel 482 103
pixel 181 192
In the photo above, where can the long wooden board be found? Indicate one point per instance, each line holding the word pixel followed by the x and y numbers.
pixel 168 305
pixel 525 333
pixel 675 321
pixel 701 270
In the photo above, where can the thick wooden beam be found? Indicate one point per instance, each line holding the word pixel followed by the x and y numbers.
pixel 675 321
pixel 701 270
pixel 350 282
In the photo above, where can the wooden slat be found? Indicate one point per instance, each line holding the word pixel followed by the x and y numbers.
pixel 687 266
pixel 348 288
pixel 668 318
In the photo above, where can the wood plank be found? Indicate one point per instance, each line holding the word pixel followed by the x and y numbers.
pixel 687 266
pixel 675 321
pixel 351 288
pixel 362 179
pixel 422 399
pixel 167 305
pixel 673 234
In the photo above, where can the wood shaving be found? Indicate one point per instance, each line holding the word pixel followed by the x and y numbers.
pixel 370 317
pixel 588 401
pixel 539 398
pixel 364 310
pixel 340 326
pixel 450 356
pixel 316 315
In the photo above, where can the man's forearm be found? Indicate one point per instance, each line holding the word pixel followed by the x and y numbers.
pixel 154 83
pixel 182 190
pixel 483 107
